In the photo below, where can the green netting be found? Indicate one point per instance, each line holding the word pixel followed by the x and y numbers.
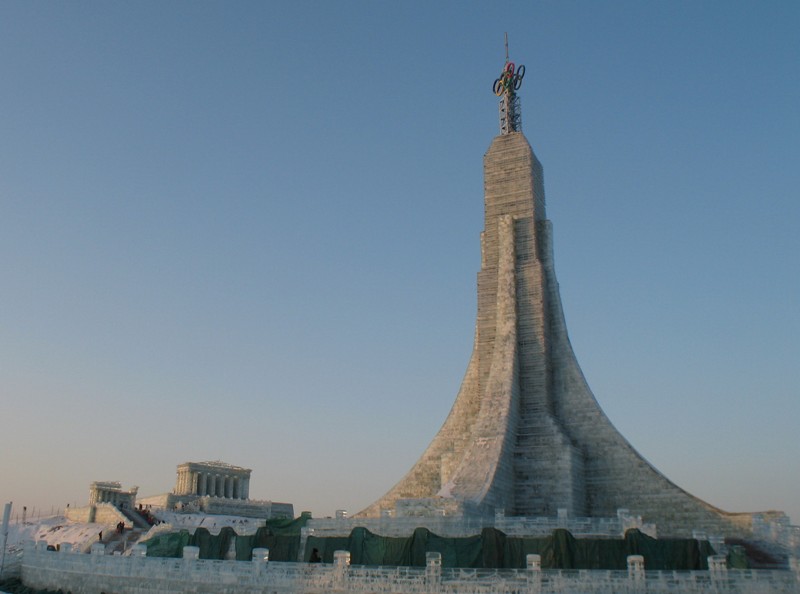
pixel 367 548
pixel 456 552
pixel 325 547
pixel 168 545
pixel 494 549
pixel 373 549
pixel 282 547
pixel 491 549
pixel 561 550
pixel 212 546
pixel 281 537
pixel 684 553
pixel 737 558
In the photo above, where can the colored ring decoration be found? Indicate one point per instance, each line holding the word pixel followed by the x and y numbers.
pixel 510 79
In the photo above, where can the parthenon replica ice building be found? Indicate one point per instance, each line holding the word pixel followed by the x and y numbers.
pixel 526 435
pixel 215 479
pixel 216 488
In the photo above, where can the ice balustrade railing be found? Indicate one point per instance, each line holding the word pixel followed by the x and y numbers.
pixel 457 526
pixel 52 570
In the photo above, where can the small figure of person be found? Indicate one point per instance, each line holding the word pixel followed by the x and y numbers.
pixel 100 536
pixel 315 558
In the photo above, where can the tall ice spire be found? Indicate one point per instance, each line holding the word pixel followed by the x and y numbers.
pixel 525 434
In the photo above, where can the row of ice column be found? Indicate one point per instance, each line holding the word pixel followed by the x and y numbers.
pixel 213 485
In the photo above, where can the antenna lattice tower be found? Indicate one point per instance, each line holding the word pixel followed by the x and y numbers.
pixel 506 87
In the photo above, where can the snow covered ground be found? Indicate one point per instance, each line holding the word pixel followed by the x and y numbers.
pixel 59 530
pixel 55 530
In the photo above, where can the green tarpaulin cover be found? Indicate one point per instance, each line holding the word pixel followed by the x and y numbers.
pixel 494 549
pixel 490 549
pixel 281 537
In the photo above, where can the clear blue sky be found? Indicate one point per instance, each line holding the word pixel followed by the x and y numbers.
pixel 250 232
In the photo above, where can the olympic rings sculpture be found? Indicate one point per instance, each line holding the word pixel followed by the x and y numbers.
pixel 510 79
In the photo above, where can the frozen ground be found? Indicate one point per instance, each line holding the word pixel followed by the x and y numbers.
pixel 58 530
pixel 55 530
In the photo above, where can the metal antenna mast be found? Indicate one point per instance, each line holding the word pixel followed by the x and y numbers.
pixel 506 88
